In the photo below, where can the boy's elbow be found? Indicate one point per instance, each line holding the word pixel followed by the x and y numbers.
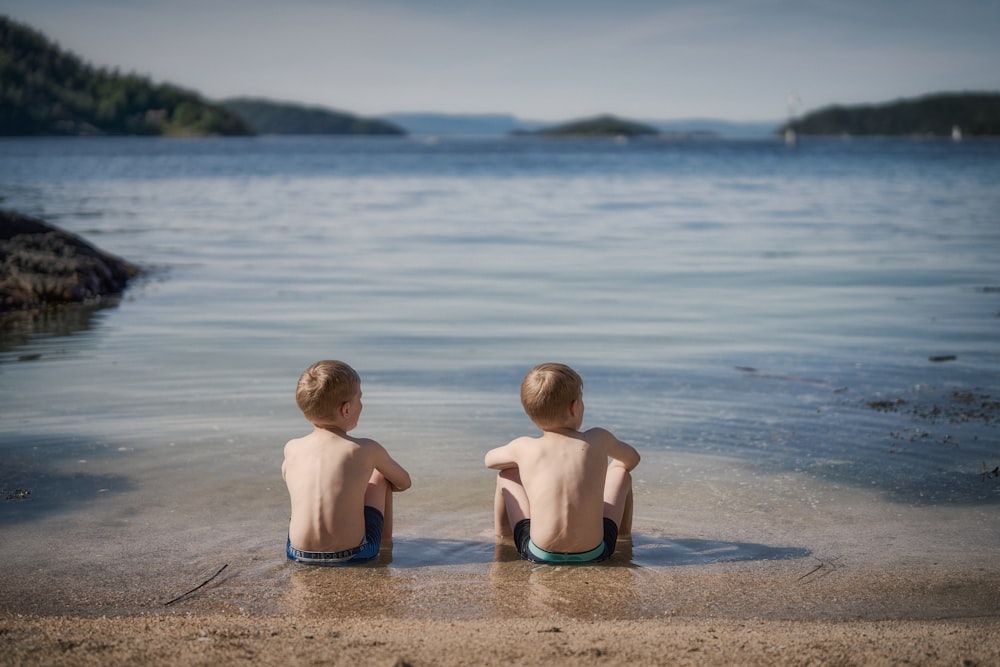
pixel 631 461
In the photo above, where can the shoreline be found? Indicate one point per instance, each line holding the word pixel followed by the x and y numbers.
pixel 808 573
pixel 785 612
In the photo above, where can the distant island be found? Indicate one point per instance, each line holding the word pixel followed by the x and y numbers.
pixel 270 117
pixel 457 124
pixel 942 114
pixel 599 126
pixel 498 125
pixel 47 91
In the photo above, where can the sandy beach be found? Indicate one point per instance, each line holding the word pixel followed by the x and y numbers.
pixel 717 580
pixel 224 639
pixel 803 611
pixel 802 575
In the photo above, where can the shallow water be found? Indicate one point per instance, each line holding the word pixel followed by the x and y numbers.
pixel 758 321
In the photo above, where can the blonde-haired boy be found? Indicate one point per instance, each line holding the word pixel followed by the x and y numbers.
pixel 340 486
pixel 558 494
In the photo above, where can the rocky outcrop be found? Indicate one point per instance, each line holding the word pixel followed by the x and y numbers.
pixel 41 265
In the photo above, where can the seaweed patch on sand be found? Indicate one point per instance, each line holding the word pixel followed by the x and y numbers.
pixel 957 407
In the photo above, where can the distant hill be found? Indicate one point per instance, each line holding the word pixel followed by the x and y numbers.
pixel 716 128
pixel 270 117
pixel 47 91
pixel 974 114
pixel 444 124
pixel 599 126
pixel 498 125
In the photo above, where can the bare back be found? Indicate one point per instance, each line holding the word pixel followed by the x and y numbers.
pixel 327 475
pixel 563 474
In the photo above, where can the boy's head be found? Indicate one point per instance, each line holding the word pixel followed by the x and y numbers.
pixel 547 392
pixel 324 387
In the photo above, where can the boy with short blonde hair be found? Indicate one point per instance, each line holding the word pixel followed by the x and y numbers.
pixel 340 487
pixel 324 386
pixel 558 494
pixel 548 389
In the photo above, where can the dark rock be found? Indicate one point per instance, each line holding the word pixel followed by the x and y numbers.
pixel 41 265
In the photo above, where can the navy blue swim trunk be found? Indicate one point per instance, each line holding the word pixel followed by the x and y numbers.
pixel 367 550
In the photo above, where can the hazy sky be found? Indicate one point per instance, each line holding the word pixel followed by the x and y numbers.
pixel 540 59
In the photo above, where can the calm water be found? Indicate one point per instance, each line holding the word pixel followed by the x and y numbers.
pixel 738 310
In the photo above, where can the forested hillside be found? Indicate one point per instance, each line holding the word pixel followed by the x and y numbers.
pixel 600 126
pixel 974 114
pixel 47 91
pixel 268 117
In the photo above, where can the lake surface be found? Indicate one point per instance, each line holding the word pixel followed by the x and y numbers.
pixel 803 343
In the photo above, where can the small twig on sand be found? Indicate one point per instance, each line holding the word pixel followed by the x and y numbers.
pixel 822 565
pixel 218 572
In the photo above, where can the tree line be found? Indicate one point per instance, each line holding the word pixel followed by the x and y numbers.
pixel 47 91
pixel 973 114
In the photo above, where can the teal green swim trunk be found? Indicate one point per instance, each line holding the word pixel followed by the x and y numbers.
pixel 530 551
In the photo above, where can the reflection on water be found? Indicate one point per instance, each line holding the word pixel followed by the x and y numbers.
pixel 456 579
pixel 650 552
pixel 632 584
pixel 413 552
pixel 572 591
pixel 20 329
pixel 356 590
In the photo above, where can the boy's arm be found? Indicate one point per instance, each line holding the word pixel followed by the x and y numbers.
pixel 284 461
pixel 394 473
pixel 501 458
pixel 620 451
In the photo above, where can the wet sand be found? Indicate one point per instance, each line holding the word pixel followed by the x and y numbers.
pixel 794 611
pixel 730 565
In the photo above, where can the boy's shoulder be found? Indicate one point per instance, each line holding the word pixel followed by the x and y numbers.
pixel 298 443
pixel 368 445
pixel 318 446
pixel 521 443
pixel 597 433
pixel 550 441
pixel 325 438
pixel 599 437
pixel 531 442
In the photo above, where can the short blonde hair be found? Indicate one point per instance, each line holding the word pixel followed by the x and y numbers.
pixel 324 387
pixel 547 391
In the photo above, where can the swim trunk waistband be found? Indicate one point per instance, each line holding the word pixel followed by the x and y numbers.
pixel 530 551
pixel 324 556
pixel 367 550
pixel 559 557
